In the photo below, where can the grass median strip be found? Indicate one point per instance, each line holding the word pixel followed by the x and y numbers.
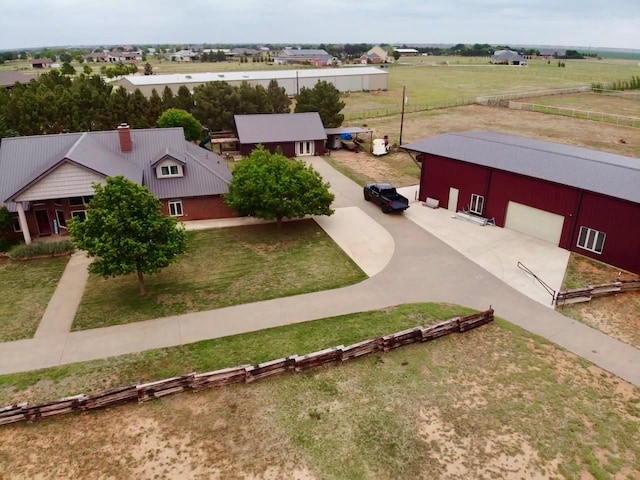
pixel 26 288
pixel 224 267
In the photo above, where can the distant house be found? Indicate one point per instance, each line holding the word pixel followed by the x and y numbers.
pixel 506 57
pixel 407 52
pixel 247 52
pixel 9 79
pixel 183 56
pixel 46 180
pixel 376 55
pixel 551 53
pixel 296 134
pixel 318 58
pixel 40 62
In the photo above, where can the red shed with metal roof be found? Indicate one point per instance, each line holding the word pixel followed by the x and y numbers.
pixel 582 200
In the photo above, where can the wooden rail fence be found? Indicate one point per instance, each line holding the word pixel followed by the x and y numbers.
pixel 585 294
pixel 197 382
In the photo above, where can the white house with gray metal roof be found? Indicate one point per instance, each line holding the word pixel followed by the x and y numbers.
pixel 46 180
pixel 345 79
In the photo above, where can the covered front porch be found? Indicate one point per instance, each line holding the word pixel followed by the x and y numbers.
pixel 49 218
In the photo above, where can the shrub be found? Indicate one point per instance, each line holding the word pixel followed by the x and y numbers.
pixel 5 245
pixel 42 249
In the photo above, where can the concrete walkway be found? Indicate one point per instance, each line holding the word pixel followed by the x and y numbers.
pixel 422 268
pixel 61 310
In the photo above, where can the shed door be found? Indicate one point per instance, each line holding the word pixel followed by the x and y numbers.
pixel 537 223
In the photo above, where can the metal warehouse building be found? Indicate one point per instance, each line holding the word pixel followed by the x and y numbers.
pixel 581 200
pixel 347 79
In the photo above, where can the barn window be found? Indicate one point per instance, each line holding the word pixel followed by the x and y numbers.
pixel 591 239
pixel 477 204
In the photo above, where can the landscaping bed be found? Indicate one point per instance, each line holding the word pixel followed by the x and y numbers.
pixel 224 267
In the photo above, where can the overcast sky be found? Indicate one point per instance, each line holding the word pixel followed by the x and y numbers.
pixel 601 23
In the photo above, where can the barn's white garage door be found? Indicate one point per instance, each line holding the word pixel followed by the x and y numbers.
pixel 534 222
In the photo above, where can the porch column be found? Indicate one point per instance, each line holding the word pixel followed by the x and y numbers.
pixel 24 226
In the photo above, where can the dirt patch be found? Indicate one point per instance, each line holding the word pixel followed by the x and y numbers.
pixel 618 316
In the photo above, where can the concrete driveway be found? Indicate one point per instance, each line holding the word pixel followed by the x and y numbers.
pixel 497 250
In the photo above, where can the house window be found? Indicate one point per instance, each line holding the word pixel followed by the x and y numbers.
pixel 169 171
pixel 79 215
pixel 16 222
pixel 75 201
pixel 57 201
pixel 37 203
pixel 62 222
pixel 591 239
pixel 175 208
pixel 477 204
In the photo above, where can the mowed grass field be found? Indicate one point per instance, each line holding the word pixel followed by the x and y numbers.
pixel 427 81
pixel 223 267
pixel 495 402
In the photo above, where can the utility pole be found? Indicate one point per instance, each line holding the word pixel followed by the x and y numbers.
pixel 402 116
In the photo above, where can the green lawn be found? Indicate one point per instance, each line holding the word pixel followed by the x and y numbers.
pixel 486 404
pixel 26 289
pixel 224 267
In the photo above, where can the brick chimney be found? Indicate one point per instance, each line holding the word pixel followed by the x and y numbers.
pixel 124 133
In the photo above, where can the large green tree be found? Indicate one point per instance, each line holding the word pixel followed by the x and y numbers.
pixel 215 105
pixel 278 98
pixel 127 233
pixel 323 98
pixel 175 117
pixel 271 186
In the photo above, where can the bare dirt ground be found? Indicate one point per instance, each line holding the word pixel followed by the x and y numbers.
pixel 618 316
pixel 493 403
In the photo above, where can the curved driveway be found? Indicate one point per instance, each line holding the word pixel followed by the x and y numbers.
pixel 422 269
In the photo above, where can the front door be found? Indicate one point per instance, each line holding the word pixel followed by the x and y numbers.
pixel 453 199
pixel 42 219
pixel 304 149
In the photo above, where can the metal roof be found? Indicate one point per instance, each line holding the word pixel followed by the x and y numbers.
pixel 24 160
pixel 7 79
pixel 304 52
pixel 341 130
pixel 279 127
pixel 600 172
pixel 140 80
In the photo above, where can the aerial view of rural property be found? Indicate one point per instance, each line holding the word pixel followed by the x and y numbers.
pixel 311 240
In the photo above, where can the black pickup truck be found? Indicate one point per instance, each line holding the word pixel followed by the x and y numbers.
pixel 385 195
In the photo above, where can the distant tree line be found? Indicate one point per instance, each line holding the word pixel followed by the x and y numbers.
pixel 57 103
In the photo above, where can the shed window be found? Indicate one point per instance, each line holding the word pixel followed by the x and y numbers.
pixel 175 208
pixel 75 201
pixel 477 204
pixel 591 239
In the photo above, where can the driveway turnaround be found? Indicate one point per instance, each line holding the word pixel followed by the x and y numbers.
pixel 422 269
pixel 497 250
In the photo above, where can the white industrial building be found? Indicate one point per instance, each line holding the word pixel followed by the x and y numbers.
pixel 346 79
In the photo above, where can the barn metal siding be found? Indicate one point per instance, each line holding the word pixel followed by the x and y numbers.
pixel 620 221
pixel 439 174
pixel 535 193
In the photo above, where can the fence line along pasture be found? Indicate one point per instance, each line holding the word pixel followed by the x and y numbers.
pixel 577 113
pixel 196 382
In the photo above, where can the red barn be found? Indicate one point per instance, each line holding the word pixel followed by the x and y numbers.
pixel 582 200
